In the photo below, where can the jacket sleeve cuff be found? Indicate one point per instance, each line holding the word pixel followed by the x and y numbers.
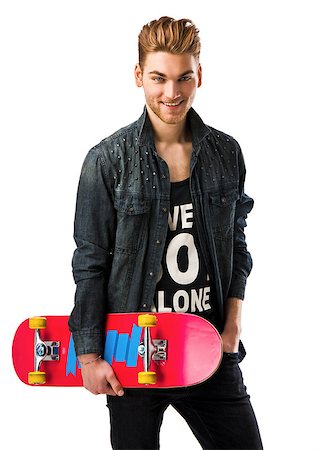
pixel 86 341
pixel 237 287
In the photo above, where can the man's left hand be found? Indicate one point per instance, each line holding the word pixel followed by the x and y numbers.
pixel 232 329
pixel 230 341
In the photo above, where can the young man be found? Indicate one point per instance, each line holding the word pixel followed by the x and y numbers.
pixel 159 225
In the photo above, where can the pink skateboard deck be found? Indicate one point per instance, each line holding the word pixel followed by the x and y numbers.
pixel 168 349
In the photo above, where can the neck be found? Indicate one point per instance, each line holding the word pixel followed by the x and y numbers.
pixel 168 133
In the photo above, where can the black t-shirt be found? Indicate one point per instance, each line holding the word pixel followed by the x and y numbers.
pixel 184 284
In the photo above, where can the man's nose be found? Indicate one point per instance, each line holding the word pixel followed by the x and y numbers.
pixel 171 90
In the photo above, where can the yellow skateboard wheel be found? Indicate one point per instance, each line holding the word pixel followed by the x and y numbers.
pixel 37 377
pixel 147 320
pixel 37 323
pixel 147 378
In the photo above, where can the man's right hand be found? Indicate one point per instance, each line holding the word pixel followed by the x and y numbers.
pixel 98 376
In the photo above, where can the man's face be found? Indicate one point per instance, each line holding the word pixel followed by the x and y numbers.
pixel 169 82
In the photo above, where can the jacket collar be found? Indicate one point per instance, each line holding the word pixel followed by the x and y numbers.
pixel 198 128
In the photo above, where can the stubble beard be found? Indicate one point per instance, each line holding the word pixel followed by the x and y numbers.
pixel 169 119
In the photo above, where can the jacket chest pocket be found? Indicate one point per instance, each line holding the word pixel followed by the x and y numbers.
pixel 132 219
pixel 222 210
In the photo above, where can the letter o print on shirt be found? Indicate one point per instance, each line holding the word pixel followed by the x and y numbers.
pixel 190 275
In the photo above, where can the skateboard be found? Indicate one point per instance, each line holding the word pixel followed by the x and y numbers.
pixel 156 350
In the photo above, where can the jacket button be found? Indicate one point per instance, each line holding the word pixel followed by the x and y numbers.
pixel 151 274
pixel 164 210
pixel 223 199
pixel 158 241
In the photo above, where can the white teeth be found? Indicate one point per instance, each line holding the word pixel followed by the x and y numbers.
pixel 171 104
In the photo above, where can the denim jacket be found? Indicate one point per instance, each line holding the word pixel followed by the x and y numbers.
pixel 121 222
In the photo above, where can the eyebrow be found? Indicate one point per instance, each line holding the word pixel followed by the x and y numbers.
pixel 155 72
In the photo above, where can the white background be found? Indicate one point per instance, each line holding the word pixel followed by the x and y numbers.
pixel 66 83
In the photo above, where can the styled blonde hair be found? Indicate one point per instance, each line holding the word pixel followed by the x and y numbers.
pixel 169 35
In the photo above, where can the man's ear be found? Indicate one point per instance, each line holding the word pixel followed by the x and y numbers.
pixel 138 75
pixel 199 74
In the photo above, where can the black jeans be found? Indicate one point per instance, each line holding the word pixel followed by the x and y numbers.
pixel 218 412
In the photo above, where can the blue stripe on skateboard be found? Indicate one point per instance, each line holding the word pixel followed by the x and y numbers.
pixel 71 362
pixel 132 354
pixel 110 345
pixel 121 348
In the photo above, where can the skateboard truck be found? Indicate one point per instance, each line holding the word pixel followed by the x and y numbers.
pixel 43 351
pixel 149 349
pixel 155 349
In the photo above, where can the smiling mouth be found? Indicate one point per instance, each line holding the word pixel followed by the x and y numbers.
pixel 172 104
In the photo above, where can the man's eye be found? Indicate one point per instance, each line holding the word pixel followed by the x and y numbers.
pixel 186 78
pixel 158 79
